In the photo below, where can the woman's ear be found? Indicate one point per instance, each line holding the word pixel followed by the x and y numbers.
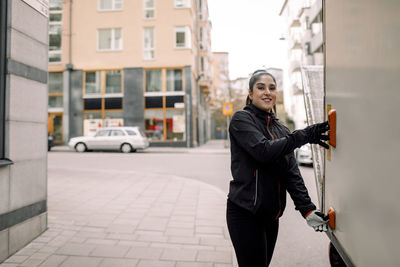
pixel 251 95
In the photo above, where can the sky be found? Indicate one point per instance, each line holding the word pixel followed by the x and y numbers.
pixel 249 30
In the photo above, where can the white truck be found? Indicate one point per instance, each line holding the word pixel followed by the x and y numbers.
pixel 358 179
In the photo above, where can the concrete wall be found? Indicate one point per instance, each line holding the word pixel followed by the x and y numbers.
pixel 133 97
pixel 23 185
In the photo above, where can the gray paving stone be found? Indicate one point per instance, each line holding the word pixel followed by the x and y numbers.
pixel 75 261
pixel 144 253
pixel 53 261
pixel 9 265
pixel 110 251
pixel 193 264
pixel 179 255
pixel 31 263
pixel 96 241
pixel 120 229
pixel 214 256
pixel 153 224
pixel 17 259
pixel 154 263
pixel 184 240
pixel 209 230
pixel 76 249
pixel 40 256
pixel 179 232
pixel 118 263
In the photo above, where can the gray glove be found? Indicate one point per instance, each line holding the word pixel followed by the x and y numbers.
pixel 318 221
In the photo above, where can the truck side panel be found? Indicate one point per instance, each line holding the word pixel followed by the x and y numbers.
pixel 362 82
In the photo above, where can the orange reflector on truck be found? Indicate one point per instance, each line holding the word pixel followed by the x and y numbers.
pixel 332 127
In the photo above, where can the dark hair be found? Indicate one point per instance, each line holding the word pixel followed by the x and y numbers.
pixel 254 78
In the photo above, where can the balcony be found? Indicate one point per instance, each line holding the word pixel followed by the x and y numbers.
pixel 315 10
pixel 316 42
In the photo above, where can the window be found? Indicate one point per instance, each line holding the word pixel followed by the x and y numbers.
pixel 148 44
pixel 153 81
pixel 109 40
pixel 92 82
pixel 149 9
pixel 113 82
pixel 130 132
pixel 55 31
pixel 102 100
pixel 202 64
pixel 55 85
pixel 182 37
pixel 117 133
pixel 110 5
pixel 103 133
pixel 174 80
pixel 182 3
pixel 164 105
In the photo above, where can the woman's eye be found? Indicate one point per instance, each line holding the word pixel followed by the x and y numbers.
pixel 272 88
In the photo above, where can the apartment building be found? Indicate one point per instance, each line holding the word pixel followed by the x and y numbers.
pixel 23 109
pixel 305 47
pixel 139 62
pixel 221 80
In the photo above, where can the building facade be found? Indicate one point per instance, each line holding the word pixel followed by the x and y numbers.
pixel 23 123
pixel 304 39
pixel 134 63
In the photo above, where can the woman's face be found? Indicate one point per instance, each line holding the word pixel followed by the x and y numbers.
pixel 263 95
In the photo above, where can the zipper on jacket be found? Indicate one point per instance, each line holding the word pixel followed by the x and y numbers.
pixel 255 196
pixel 269 118
pixel 279 201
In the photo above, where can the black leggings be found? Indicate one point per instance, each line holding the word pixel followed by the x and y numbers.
pixel 252 235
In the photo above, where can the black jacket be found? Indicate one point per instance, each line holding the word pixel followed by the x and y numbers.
pixel 263 165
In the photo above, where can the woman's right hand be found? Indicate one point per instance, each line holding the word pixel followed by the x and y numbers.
pixel 313 134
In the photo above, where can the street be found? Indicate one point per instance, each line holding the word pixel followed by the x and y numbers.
pixel 297 245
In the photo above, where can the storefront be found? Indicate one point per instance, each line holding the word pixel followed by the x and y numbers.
pixel 164 98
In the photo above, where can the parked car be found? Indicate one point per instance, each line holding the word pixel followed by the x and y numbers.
pixel 50 141
pixel 124 139
pixel 304 155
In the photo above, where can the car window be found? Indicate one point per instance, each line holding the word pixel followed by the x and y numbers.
pixel 130 132
pixel 117 133
pixel 103 133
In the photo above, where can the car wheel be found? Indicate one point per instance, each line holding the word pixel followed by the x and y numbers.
pixel 80 147
pixel 126 148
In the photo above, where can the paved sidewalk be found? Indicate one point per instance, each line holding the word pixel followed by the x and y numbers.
pixel 104 218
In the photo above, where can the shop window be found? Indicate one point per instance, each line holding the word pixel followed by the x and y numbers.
pixel 92 82
pixel 154 124
pixel 113 82
pixel 109 5
pixel 153 81
pixel 113 103
pixel 149 9
pixel 154 102
pixel 92 103
pixel 174 80
pixel 148 43
pixel 175 125
pixel 109 39
pixel 172 101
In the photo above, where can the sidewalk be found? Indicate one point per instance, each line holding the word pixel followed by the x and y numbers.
pixel 126 218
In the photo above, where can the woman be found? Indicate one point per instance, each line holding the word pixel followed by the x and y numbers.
pixel 263 167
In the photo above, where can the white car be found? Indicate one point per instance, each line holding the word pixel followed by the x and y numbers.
pixel 124 139
pixel 304 155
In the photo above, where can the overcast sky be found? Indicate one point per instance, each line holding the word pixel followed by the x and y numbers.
pixel 249 30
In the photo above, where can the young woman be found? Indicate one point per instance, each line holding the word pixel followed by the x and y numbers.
pixel 263 167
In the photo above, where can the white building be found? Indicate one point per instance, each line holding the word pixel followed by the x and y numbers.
pixel 305 47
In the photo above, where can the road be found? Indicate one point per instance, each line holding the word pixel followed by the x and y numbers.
pixel 298 244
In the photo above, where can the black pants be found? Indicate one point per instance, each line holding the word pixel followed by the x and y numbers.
pixel 253 236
